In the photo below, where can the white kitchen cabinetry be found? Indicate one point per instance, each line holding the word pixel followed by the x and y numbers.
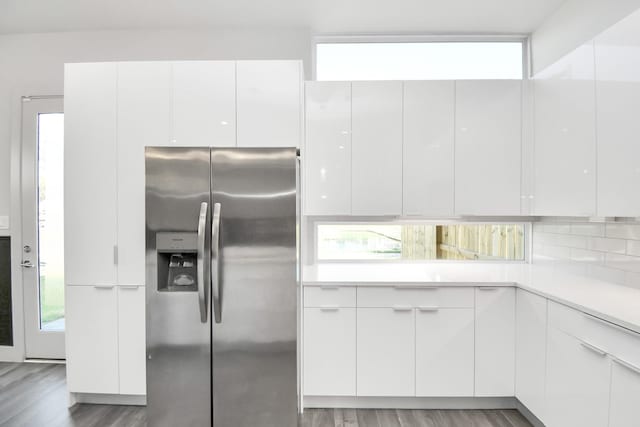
pixel 617 53
pixel 386 351
pixel 531 345
pixel 90 181
pixel 269 98
pixel 131 339
pixel 565 137
pixel 488 146
pixel 327 158
pixel 329 351
pixel 376 176
pixel 91 314
pixel 444 351
pixel 428 141
pixel 495 341
pixel 625 390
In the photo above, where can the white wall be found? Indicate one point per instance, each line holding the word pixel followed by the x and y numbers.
pixel 573 24
pixel 32 64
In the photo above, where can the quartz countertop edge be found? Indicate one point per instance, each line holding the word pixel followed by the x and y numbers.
pixel 614 303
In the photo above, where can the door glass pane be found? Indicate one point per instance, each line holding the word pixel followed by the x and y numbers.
pixel 50 220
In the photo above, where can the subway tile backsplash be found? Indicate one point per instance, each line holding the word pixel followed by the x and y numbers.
pixel 605 250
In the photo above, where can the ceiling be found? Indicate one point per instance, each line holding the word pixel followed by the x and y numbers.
pixel 319 16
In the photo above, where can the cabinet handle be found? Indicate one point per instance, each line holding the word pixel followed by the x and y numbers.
pixel 103 286
pixel 329 308
pixel 487 288
pixel 593 348
pixel 402 308
pixel 410 287
pixel 129 286
pixel 627 365
pixel 428 308
pixel 329 288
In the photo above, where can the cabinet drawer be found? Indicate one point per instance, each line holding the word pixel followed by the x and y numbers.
pixel 322 296
pixel 389 296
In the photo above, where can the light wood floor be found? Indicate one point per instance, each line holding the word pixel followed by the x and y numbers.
pixel 34 395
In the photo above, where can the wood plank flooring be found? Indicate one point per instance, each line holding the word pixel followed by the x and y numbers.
pixel 34 395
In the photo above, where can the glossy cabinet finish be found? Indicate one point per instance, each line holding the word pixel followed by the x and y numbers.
pixel 531 344
pixel 330 351
pixel 386 351
pixel 617 53
pixel 269 97
pixel 131 339
pixel 488 145
pixel 376 175
pixel 90 180
pixel 565 137
pixel 444 351
pixel 495 341
pixel 625 389
pixel 327 154
pixel 428 142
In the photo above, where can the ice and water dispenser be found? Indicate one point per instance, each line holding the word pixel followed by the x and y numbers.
pixel 177 262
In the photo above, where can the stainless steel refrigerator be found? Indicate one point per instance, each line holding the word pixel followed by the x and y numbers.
pixel 222 286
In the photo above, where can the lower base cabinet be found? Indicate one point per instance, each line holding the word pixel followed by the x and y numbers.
pixel 625 395
pixel 131 340
pixel 444 352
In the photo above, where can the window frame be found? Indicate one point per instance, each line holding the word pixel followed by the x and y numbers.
pixel 462 38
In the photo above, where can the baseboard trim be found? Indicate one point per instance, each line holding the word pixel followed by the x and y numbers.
pixel 107 399
pixel 410 402
pixel 535 421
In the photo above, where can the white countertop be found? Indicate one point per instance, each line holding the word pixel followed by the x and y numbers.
pixel 608 301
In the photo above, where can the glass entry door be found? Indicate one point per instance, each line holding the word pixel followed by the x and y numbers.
pixel 43 226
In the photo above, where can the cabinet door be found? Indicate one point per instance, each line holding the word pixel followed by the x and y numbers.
pixel 495 341
pixel 531 347
pixel 386 352
pixel 144 119
pixel 488 145
pixel 131 339
pixel 428 133
pixel 269 103
pixel 327 154
pixel 444 352
pixel 92 339
pixel 625 392
pixel 565 137
pixel 577 392
pixel 329 351
pixel 90 173
pixel 204 103
pixel 376 176
pixel 617 53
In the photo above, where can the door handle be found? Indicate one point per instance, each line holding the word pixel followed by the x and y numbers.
pixel 216 279
pixel 26 264
pixel 593 348
pixel 627 365
pixel 201 270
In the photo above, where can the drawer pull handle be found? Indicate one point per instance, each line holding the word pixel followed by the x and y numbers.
pixel 627 365
pixel 593 348
pixel 103 286
pixel 402 308
pixel 428 309
pixel 329 308
pixel 329 288
pixel 129 286
pixel 487 288
pixel 409 287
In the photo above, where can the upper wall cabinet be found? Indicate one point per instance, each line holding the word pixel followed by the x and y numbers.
pixel 327 155
pixel 428 158
pixel 488 145
pixel 376 176
pixel 565 137
pixel 90 181
pixel 617 53
pixel 269 95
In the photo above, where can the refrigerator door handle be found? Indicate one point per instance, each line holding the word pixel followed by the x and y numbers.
pixel 215 263
pixel 202 230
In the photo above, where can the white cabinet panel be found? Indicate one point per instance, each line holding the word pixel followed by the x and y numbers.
pixel 327 155
pixel 330 352
pixel 90 173
pixel 577 391
pixel 531 347
pixel 444 352
pixel 376 177
pixel 92 339
pixel 204 103
pixel 488 146
pixel 565 137
pixel 617 53
pixel 269 103
pixel 495 341
pixel 144 119
pixel 131 339
pixel 386 352
pixel 428 136
pixel 625 392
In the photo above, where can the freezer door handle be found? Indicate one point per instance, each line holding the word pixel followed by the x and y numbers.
pixel 215 263
pixel 202 230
